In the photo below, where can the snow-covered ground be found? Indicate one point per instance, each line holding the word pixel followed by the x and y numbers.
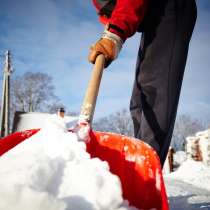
pixel 188 188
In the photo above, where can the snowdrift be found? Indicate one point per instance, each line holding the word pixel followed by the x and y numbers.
pixel 132 161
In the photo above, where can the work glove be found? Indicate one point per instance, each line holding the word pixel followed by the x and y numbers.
pixel 109 45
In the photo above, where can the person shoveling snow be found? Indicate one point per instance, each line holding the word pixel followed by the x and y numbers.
pixel 135 163
pixel 166 28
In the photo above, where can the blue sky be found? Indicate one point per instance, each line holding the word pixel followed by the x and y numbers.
pixel 53 36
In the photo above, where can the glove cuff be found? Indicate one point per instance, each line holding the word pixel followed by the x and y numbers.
pixel 114 38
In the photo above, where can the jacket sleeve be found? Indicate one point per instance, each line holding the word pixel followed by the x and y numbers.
pixel 127 15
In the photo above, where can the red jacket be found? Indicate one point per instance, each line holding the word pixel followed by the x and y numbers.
pixel 126 15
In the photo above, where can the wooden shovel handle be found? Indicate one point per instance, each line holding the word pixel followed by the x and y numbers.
pixel 88 106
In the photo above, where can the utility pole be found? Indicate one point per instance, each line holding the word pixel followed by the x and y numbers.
pixel 5 103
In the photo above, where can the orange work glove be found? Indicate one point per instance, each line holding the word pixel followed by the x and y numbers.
pixel 109 45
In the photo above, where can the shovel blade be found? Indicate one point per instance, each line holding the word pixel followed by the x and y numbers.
pixel 136 164
pixel 133 161
pixel 14 139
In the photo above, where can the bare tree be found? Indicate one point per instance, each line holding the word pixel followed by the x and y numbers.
pixel 185 125
pixel 33 92
pixel 119 122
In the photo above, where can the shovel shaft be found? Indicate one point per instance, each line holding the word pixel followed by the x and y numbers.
pixel 88 106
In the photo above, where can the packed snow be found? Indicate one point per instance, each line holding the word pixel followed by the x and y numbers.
pixel 193 172
pixel 179 158
pixel 52 171
pixel 188 188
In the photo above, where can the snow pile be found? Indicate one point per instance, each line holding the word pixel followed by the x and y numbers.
pixel 179 157
pixel 32 120
pixel 52 171
pixel 193 172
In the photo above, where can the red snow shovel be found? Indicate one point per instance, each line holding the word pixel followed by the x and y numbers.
pixel 133 161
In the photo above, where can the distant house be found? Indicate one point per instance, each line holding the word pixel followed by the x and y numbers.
pixel 198 147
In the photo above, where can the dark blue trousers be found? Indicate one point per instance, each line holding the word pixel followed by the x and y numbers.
pixel 166 33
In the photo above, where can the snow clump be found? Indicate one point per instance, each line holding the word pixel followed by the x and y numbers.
pixel 52 171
